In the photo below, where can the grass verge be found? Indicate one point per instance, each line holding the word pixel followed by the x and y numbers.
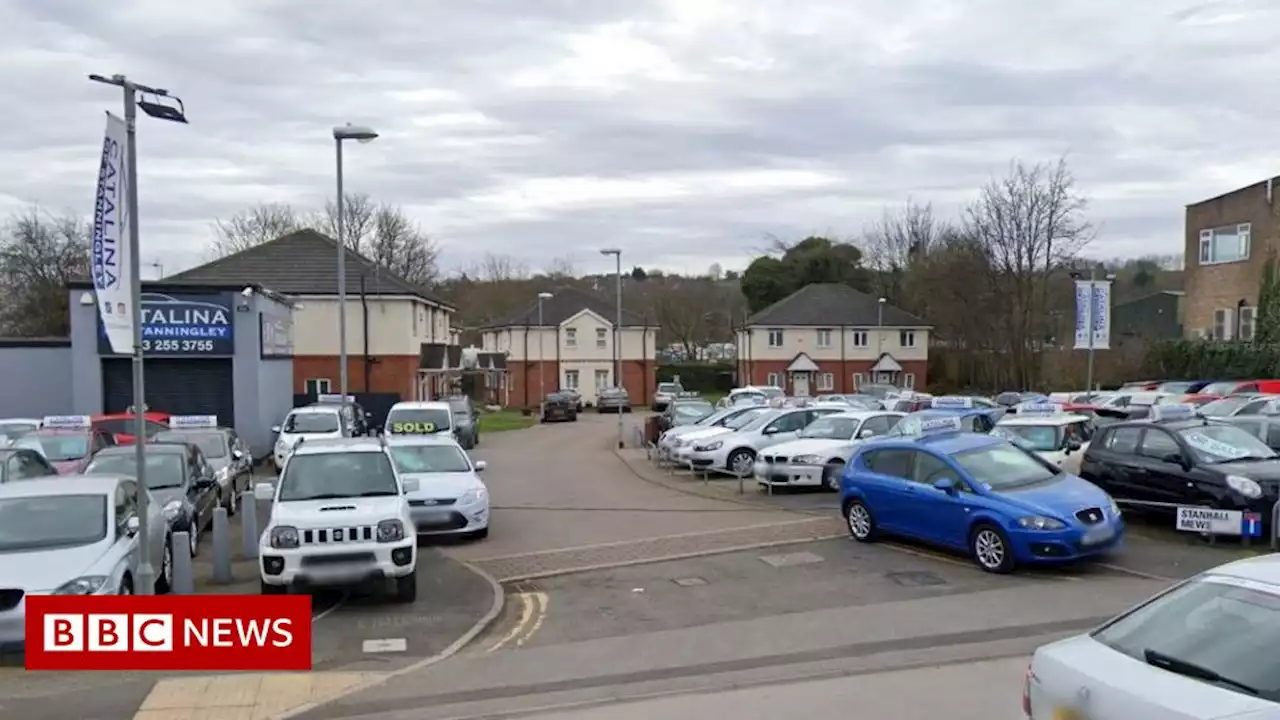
pixel 504 420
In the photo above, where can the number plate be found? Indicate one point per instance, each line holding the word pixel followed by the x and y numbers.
pixel 1098 535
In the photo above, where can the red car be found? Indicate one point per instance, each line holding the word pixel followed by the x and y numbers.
pixel 121 425
pixel 68 442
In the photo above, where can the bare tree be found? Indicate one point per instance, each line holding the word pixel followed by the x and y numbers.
pixel 561 268
pixel 252 227
pixel 496 268
pixel 690 311
pixel 399 245
pixel 39 253
pixel 900 239
pixel 359 220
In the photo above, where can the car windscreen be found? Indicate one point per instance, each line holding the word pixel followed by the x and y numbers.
pixel 747 398
pixel 212 444
pixel 164 470
pixel 1177 388
pixel 743 419
pixel 1004 465
pixel 330 476
pixel 1043 438
pixel 17 429
pixel 418 421
pixel 831 428
pixel 759 421
pixel 1223 407
pixel 429 459
pixel 1220 443
pixel 695 410
pixel 306 423
pixel 1225 387
pixel 52 521
pixel 1220 630
pixel 128 426
pixel 772 393
pixel 668 388
pixel 61 448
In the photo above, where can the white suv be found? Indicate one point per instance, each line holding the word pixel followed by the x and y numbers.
pixel 339 518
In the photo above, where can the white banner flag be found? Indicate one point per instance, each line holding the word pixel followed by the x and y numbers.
pixel 110 253
pixel 1093 314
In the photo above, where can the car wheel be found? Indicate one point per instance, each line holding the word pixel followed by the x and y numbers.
pixel 990 549
pixel 860 521
pixel 165 579
pixel 407 588
pixel 266 588
pixel 740 461
pixel 831 475
pixel 193 536
pixel 230 500
pixel 126 586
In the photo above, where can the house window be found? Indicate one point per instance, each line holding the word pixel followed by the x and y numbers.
pixel 824 338
pixel 860 338
pixel 1247 323
pixel 571 379
pixel 1222 324
pixel 1224 244
pixel 907 338
pixel 827 382
pixel 318 386
pixel 909 381
pixel 774 380
pixel 602 380
pixel 857 379
pixel 571 337
pixel 602 338
pixel 775 338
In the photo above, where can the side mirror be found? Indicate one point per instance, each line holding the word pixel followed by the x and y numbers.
pixel 264 491
pixel 480 465
pixel 1175 458
pixel 410 485
pixel 131 526
pixel 237 454
pixel 275 429
pixel 946 485
pixel 866 434
pixel 1073 445
pixel 769 431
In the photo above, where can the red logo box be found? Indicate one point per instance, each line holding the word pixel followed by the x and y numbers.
pixel 168 632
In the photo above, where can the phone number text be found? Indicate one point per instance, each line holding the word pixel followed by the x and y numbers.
pixel 190 346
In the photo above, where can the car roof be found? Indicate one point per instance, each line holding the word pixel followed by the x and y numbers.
pixel 422 405
pixel 1060 419
pixel 333 409
pixel 62 431
pixel 323 446
pixel 24 420
pixel 62 485
pixel 950 412
pixel 863 414
pixel 1263 568
pixel 151 446
pixel 945 443
pixel 427 439
pixel 1171 424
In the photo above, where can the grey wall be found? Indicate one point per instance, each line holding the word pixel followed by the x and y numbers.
pixel 34 381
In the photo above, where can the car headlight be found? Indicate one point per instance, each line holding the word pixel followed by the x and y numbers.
pixel 1245 486
pixel 87 585
pixel 806 460
pixel 1039 522
pixel 474 495
pixel 709 446
pixel 222 474
pixel 281 447
pixel 390 531
pixel 284 537
pixel 172 510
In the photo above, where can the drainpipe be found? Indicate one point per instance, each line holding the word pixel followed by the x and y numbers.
pixel 364 309
pixel 844 371
pixel 524 360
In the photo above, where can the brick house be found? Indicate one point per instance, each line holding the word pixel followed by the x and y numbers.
pixel 572 348
pixel 1228 239
pixel 399 336
pixel 831 338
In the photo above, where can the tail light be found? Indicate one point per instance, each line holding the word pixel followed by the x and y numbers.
pixel 1026 692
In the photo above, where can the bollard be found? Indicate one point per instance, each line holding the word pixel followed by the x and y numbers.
pixel 184 579
pixel 221 546
pixel 1275 527
pixel 249 524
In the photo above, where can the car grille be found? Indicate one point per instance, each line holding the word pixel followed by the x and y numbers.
pixel 330 536
pixel 337 559
pixel 1091 516
pixel 453 521
pixel 437 502
pixel 779 459
pixel 9 598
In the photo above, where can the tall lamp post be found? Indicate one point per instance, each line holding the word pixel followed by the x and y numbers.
pixel 617 335
pixel 879 336
pixel 364 135
pixel 161 106
pixel 542 372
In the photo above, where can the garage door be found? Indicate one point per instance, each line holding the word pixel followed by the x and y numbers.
pixel 180 387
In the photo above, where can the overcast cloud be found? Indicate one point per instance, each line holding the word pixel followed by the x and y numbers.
pixel 683 131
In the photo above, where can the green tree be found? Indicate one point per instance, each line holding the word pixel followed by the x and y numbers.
pixel 769 279
pixel 1267 324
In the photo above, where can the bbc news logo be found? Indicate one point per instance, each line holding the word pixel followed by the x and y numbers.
pixel 168 632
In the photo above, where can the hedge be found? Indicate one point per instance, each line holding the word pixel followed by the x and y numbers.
pixel 1209 359
pixel 699 377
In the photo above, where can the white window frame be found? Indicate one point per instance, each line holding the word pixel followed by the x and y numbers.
pixel 861 339
pixel 909 381
pixel 826 382
pixel 602 338
pixel 571 379
pixel 1211 237
pixel 907 338
pixel 602 379
pixel 1223 324
pixel 1248 323
pixel 318 386
pixel 824 338
pixel 775 337
pixel 774 379
pixel 571 337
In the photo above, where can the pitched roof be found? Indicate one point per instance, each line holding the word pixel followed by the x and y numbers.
pixel 303 262
pixel 563 304
pixel 831 305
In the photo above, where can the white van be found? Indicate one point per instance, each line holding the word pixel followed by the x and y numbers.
pixel 314 421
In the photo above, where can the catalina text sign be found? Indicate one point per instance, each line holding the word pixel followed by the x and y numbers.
pixel 184 324
pixel 110 251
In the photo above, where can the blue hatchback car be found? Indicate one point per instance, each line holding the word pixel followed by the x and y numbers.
pixel 980 494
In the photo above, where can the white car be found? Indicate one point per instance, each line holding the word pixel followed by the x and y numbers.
pixel 1045 429
pixel 339 518
pixel 818 455
pixel 421 417
pixel 730 418
pixel 1203 650
pixel 743 396
pixel 312 422
pixel 734 452
pixel 451 499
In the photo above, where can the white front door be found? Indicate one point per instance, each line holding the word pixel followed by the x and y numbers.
pixel 800 384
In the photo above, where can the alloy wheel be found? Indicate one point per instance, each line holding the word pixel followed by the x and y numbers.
pixel 989 549
pixel 859 521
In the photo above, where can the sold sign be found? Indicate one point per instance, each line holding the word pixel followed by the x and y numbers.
pixel 413 428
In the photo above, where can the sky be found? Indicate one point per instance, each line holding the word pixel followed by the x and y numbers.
pixel 685 132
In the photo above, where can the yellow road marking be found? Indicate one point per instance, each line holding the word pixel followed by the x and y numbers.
pixel 526 614
pixel 540 614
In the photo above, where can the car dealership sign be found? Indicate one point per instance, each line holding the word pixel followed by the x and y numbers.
pixel 177 324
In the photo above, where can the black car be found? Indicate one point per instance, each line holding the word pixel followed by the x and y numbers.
pixel 1160 464
pixel 181 481
pixel 465 426
pixel 225 452
pixel 558 407
pixel 23 463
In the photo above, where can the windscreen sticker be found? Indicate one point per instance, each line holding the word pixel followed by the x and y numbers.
pixel 1210 446
pixel 413 428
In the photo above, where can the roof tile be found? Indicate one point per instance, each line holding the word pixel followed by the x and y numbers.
pixel 564 303
pixel 832 304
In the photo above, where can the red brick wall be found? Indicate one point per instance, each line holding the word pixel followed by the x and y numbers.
pixel 756 372
pixel 638 376
pixel 389 374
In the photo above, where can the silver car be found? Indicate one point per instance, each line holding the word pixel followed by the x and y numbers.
pixel 72 535
pixel 613 399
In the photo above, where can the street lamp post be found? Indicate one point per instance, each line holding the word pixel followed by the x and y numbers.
pixel 542 373
pixel 163 106
pixel 617 335
pixel 364 135
pixel 879 335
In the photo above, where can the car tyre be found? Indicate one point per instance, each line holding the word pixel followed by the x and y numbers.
pixel 739 459
pixel 266 588
pixel 193 536
pixel 126 586
pixel 990 549
pixel 407 588
pixel 230 500
pixel 831 475
pixel 860 521
pixel 164 578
